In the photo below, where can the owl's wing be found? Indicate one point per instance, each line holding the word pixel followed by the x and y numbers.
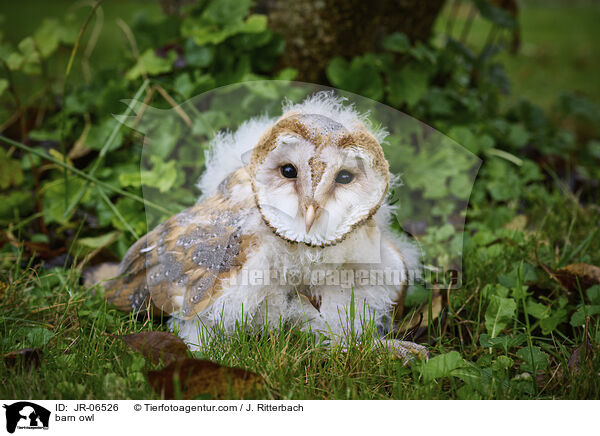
pixel 179 266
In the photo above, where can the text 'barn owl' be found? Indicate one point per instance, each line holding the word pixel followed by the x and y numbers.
pixel 291 236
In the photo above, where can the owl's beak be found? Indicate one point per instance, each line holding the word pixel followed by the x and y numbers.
pixel 309 217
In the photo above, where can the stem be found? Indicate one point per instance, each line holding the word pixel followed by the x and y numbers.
pixel 103 151
pixel 117 213
pixel 64 95
pixel 84 175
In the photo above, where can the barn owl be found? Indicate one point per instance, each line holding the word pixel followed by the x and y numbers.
pixel 292 227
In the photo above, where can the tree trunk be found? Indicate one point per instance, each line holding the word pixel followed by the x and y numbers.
pixel 317 30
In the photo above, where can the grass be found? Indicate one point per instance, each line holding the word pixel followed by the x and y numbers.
pixel 559 48
pixel 49 309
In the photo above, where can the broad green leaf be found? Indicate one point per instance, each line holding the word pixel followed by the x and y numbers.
pixel 3 86
pixel 15 61
pixel 130 179
pixel 99 134
pixel 162 175
pixel 397 42
pixel 502 363
pixel 533 357
pixel 442 366
pixel 502 342
pixel 133 212
pixel 499 313
pixel 38 336
pixel 518 136
pixel 557 317
pixel 537 310
pixel 407 85
pixel 16 203
pixel 358 76
pixel 47 36
pixel 10 171
pixel 593 293
pixel 152 64
pixel 183 85
pixel 27 47
pixel 97 241
pixel 53 198
pixel 226 11
pixel 199 56
pixel 578 318
pixel 495 14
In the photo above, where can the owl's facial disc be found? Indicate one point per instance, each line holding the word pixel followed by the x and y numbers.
pixel 317 190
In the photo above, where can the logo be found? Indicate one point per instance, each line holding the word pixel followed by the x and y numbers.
pixel 26 415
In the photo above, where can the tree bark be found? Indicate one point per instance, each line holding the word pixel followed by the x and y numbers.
pixel 315 31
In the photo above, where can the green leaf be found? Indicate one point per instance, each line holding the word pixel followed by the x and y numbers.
pixel 199 56
pixel 537 310
pixel 578 318
pixel 396 42
pixel 407 85
pixel 130 179
pixel 48 36
pixel 499 313
pixel 502 363
pixel 15 61
pixel 226 11
pixel 286 74
pixel 502 342
pixel 183 85
pixel 152 64
pixel 27 47
pixel 3 86
pixel 534 358
pixel 495 14
pixel 518 136
pixel 99 134
pixel 97 241
pixel 162 175
pixel 593 293
pixel 53 198
pixel 359 77
pixel 133 213
pixel 10 171
pixel 550 323
pixel 442 366
pixel 38 336
pixel 206 32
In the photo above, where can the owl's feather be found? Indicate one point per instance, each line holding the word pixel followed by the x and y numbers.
pixel 180 265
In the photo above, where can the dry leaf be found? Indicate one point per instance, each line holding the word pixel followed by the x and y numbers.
pixel 193 377
pixel 419 319
pixel 518 223
pixel 584 351
pixel 29 357
pixel 3 288
pixel 584 274
pixel 157 346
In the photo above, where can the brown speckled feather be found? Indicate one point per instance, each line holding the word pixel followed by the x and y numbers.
pixel 179 266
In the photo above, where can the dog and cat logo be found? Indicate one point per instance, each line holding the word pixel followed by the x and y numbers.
pixel 26 415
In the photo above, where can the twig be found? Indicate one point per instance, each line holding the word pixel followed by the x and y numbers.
pixel 185 117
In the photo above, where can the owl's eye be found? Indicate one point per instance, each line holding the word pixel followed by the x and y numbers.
pixel 289 171
pixel 344 177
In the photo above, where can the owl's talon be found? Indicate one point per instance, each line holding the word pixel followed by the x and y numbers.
pixel 405 350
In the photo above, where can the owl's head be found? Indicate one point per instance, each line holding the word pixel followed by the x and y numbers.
pixel 319 172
